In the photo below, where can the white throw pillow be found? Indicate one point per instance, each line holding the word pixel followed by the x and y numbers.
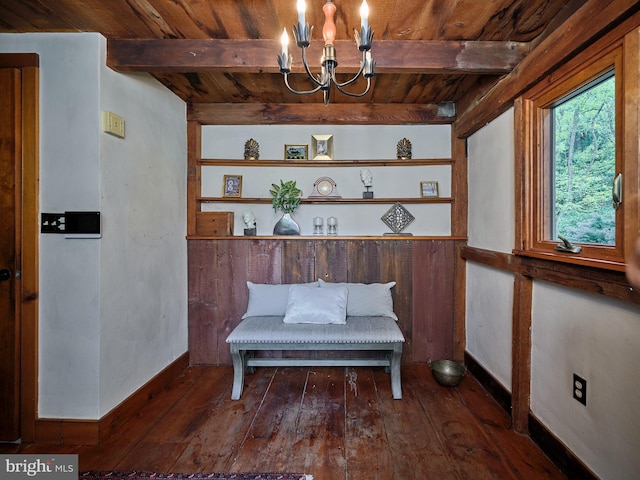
pixel 367 300
pixel 269 300
pixel 316 305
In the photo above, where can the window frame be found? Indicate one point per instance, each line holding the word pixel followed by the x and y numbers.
pixel 533 134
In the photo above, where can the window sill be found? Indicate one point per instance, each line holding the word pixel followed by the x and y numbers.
pixel 574 259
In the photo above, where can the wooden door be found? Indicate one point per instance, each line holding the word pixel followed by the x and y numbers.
pixel 10 161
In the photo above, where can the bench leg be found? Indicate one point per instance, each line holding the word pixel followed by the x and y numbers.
pixel 238 371
pixel 396 359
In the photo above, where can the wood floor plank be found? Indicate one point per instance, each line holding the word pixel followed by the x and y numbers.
pixel 334 423
pixel 318 448
pixel 270 438
pixel 364 432
pixel 212 385
pixel 461 434
pixel 214 447
pixel 414 446
pixel 152 456
pixel 525 458
pixel 112 451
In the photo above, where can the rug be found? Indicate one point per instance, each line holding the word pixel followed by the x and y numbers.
pixel 135 475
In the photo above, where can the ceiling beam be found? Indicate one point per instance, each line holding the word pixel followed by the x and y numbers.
pixel 317 113
pixel 256 56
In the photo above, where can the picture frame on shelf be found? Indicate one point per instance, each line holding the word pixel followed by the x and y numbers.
pixel 322 147
pixel 429 189
pixel 296 152
pixel 232 186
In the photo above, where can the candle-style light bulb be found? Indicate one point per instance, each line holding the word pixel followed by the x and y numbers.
pixel 364 14
pixel 302 7
pixel 284 40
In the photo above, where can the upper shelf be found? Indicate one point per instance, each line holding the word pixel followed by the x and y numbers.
pixel 322 163
pixel 329 200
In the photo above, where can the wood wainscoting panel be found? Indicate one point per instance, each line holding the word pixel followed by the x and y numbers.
pixel 423 269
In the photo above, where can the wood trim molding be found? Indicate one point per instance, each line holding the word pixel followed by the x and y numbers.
pixel 30 260
pixel 94 432
pixel 490 384
pixel 591 22
pixel 558 452
pixel 600 281
pixel 19 60
pixel 194 172
pixel 521 353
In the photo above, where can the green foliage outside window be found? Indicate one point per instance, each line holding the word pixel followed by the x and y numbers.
pixel 584 156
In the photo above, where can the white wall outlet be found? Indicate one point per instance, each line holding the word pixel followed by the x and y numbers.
pixel 580 389
pixel 113 124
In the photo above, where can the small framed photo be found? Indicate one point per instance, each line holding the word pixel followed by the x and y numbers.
pixel 322 147
pixel 232 186
pixel 296 152
pixel 429 189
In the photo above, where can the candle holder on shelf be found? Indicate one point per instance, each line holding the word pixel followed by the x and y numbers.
pixel 318 226
pixel 332 226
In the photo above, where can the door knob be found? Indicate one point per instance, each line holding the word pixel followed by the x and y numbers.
pixel 5 274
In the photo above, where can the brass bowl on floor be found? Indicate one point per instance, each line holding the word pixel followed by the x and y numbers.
pixel 448 372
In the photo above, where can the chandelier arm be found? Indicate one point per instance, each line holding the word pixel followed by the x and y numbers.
pixel 355 95
pixel 304 92
pixel 306 67
pixel 353 79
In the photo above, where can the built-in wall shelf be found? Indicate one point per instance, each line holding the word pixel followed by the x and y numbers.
pixel 334 200
pixel 327 163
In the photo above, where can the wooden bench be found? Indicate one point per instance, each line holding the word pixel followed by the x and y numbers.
pixel 358 334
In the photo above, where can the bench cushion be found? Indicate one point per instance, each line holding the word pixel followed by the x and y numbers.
pixel 356 330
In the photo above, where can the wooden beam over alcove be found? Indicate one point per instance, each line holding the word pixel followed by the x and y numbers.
pixel 259 56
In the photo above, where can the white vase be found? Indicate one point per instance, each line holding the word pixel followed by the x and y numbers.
pixel 286 226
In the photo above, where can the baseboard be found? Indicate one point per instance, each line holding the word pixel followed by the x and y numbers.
pixel 92 432
pixel 558 452
pixel 490 384
pixel 553 448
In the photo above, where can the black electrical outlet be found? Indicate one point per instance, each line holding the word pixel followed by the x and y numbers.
pixel 580 389
pixel 52 223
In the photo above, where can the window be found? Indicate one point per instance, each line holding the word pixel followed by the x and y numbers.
pixel 583 156
pixel 573 140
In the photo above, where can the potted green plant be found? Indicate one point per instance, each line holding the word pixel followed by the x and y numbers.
pixel 286 198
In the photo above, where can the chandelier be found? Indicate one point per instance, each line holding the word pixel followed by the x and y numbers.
pixel 329 62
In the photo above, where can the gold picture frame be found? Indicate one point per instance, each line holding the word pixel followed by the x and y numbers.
pixel 429 189
pixel 296 152
pixel 322 147
pixel 232 186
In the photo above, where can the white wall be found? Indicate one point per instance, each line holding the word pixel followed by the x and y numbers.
pixel 143 262
pixel 598 339
pixel 491 227
pixel 349 143
pixel 93 324
pixel 489 326
pixel 572 332
pixel 491 186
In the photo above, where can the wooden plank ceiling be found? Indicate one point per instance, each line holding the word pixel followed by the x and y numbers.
pixel 223 52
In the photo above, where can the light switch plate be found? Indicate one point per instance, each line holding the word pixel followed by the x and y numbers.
pixel 113 124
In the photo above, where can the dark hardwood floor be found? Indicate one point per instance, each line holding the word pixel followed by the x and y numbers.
pixel 333 423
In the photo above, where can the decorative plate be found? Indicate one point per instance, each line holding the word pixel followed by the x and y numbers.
pixel 397 218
